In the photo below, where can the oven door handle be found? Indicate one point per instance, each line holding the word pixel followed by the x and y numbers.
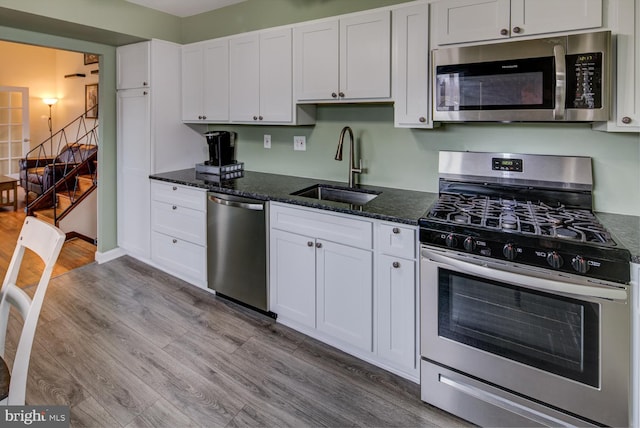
pixel 529 281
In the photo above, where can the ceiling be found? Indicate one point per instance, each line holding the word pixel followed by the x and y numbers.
pixel 183 8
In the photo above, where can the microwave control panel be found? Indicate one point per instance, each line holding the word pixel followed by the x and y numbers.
pixel 584 81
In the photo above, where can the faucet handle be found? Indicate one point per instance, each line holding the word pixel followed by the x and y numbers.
pixel 360 168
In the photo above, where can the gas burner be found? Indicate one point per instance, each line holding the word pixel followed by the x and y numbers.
pixel 509 221
pixel 565 233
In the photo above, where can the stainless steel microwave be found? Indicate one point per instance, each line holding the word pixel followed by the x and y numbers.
pixel 563 78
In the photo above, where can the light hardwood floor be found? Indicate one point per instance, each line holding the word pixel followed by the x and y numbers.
pixel 124 344
pixel 75 252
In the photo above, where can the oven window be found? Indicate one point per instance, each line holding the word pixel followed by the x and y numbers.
pixel 553 333
pixel 517 84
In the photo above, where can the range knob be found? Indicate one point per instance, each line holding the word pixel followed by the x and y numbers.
pixel 555 260
pixel 469 244
pixel 451 241
pixel 510 251
pixel 580 264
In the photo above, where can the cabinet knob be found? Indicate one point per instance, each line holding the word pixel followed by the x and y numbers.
pixel 334 95
pixel 174 188
pixel 318 244
pixel 504 32
pixel 396 265
pixel 255 117
pixel 260 118
pixel 145 84
pixel 422 119
pixel 174 207
pixel 145 93
pixel 517 30
pixel 626 120
pixel 395 230
pixel 204 117
pixel 341 94
pixel 199 117
pixel 310 244
pixel 175 241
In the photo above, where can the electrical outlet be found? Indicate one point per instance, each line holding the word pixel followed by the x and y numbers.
pixel 300 143
pixel 267 141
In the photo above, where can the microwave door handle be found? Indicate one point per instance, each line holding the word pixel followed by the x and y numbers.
pixel 561 82
pixel 529 281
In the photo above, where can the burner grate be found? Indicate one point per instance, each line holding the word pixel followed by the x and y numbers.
pixel 526 217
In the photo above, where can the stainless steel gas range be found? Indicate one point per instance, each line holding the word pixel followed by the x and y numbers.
pixel 525 298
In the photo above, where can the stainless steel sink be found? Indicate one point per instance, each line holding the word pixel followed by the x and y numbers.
pixel 347 195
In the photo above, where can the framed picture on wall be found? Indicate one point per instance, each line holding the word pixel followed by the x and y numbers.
pixel 90 58
pixel 91 101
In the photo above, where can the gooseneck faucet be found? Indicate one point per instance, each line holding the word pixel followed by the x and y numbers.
pixel 352 167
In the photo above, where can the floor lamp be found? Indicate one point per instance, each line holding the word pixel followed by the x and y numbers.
pixel 50 102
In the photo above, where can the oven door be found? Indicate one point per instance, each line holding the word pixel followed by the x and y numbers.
pixel 558 341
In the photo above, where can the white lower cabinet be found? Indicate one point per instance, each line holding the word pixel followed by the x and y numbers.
pixel 179 231
pixel 347 281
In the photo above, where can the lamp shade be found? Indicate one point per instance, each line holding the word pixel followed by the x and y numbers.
pixel 50 101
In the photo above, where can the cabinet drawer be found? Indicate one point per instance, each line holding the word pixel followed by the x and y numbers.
pixel 397 240
pixel 332 227
pixel 180 222
pixel 176 194
pixel 186 259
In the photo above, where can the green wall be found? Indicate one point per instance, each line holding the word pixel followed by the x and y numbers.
pixel 408 158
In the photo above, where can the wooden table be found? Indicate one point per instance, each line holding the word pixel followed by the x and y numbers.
pixel 7 184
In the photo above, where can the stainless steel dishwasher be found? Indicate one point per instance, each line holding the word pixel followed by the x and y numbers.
pixel 237 249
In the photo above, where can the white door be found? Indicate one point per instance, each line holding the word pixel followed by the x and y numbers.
pixel 365 56
pixel 293 277
pixel 458 21
pixel 134 165
pixel 244 81
pixel 316 61
pixel 192 81
pixel 529 17
pixel 215 85
pixel 132 66
pixel 345 293
pixel 276 80
pixel 14 128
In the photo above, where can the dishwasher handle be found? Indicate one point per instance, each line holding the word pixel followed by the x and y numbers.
pixel 237 204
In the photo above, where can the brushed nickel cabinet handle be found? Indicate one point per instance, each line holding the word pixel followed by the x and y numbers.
pixel 517 30
pixel 175 241
pixel 318 245
pixel 174 188
pixel 422 119
pixel 626 120
pixel 334 95
pixel 504 32
pixel 174 207
pixel 341 94
pixel 395 230
pixel 396 265
pixel 309 244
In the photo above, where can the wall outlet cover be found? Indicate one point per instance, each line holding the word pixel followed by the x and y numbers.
pixel 300 143
pixel 267 141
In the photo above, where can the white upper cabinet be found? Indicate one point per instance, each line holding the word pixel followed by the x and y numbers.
pixel 624 23
pixel 344 59
pixel 205 81
pixel 132 65
pixel 461 21
pixel 412 106
pixel 261 82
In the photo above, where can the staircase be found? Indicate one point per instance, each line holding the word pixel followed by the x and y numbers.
pixel 78 178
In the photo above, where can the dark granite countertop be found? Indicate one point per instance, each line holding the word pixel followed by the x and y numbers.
pixel 397 205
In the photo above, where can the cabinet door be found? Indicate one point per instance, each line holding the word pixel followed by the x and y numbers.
pixel 316 61
pixel 293 277
pixel 132 63
pixel 529 17
pixel 396 311
pixel 459 21
pixel 344 293
pixel 365 56
pixel 133 147
pixel 192 80
pixel 627 108
pixel 244 102
pixel 215 84
pixel 276 80
pixel 411 66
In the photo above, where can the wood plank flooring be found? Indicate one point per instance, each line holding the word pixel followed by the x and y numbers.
pixel 75 252
pixel 126 345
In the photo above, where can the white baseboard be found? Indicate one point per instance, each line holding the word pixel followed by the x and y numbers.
pixel 109 255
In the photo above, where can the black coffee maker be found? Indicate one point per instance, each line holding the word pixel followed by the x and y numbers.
pixel 222 148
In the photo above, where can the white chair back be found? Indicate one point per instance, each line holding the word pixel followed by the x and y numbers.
pixel 46 241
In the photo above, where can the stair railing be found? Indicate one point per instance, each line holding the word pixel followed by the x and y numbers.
pixel 45 155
